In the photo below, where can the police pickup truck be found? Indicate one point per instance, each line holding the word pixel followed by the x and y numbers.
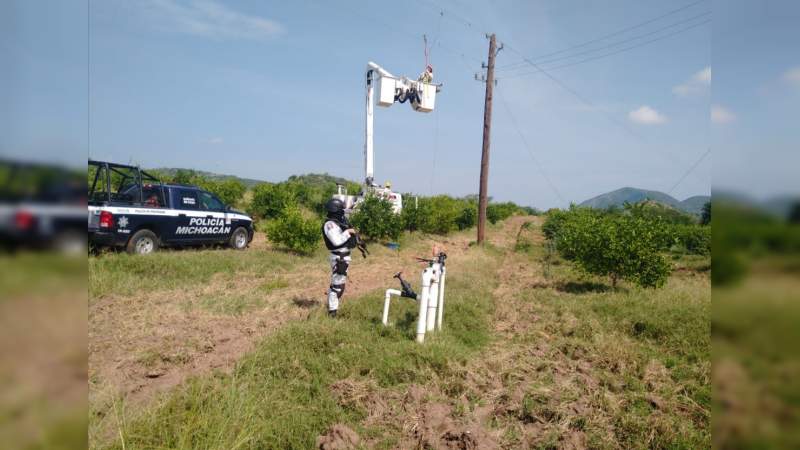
pixel 132 209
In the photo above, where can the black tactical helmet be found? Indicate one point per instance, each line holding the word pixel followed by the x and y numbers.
pixel 334 206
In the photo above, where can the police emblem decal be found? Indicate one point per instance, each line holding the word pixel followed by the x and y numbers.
pixel 122 222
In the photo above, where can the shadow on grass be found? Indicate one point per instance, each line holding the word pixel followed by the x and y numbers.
pixel 582 287
pixel 305 303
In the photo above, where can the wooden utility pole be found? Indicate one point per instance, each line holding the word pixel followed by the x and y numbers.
pixel 487 127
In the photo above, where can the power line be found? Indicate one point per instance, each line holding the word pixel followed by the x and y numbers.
pixel 624 30
pixel 396 28
pixel 528 148
pixel 691 169
pixel 455 17
pixel 576 94
pixel 594 58
pixel 585 101
pixel 520 64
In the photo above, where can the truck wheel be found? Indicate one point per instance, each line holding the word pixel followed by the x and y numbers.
pixel 143 242
pixel 70 243
pixel 238 239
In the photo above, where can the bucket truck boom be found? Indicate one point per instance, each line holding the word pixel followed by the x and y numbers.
pixel 420 93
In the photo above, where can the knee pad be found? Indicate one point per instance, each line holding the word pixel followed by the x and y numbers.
pixel 338 289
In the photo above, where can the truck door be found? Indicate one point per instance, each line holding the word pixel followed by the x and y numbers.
pixel 184 229
pixel 217 220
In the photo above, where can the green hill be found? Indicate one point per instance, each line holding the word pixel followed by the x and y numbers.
pixel 171 171
pixel 311 179
pixel 619 197
pixel 695 204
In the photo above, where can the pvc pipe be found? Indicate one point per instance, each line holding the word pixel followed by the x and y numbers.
pixel 433 297
pixel 427 277
pixel 440 309
pixel 389 294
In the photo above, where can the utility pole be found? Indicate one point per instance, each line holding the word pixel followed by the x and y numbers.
pixel 487 127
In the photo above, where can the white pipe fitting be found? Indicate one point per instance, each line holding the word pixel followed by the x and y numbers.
pixel 433 297
pixel 427 278
pixel 431 301
pixel 389 294
pixel 440 309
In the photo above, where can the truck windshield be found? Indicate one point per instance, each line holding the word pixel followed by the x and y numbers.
pixel 210 203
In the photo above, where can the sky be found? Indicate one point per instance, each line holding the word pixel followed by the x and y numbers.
pixel 266 90
pixel 757 85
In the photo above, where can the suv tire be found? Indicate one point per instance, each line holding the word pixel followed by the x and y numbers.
pixel 238 240
pixel 142 242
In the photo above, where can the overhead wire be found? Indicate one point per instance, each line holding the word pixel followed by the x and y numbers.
pixel 520 64
pixel 621 31
pixel 581 97
pixel 528 148
pixel 397 29
pixel 688 172
pixel 594 58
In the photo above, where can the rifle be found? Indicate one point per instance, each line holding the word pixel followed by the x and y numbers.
pixel 361 246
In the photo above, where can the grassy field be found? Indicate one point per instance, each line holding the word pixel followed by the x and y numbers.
pixel 43 351
pixel 532 355
pixel 756 396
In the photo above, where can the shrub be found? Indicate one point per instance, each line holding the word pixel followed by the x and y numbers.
pixel 293 231
pixel 375 219
pixel 271 200
pixel 620 247
pixel 654 211
pixel 468 216
pixel 409 216
pixel 230 191
pixel 696 239
pixel 705 217
pixel 552 224
pixel 438 214
pixel 496 212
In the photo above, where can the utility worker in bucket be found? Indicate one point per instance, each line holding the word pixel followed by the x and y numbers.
pixel 340 238
pixel 427 76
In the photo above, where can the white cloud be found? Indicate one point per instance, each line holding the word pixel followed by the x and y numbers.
pixel 792 76
pixel 213 141
pixel 210 19
pixel 703 77
pixel 720 114
pixel 647 116
pixel 697 84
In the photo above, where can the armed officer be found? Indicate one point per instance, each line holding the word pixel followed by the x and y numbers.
pixel 340 238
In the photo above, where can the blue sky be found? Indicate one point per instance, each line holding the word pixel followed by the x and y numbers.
pixel 757 79
pixel 270 89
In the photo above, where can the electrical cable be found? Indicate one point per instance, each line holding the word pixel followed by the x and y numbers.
pixel 528 148
pixel 691 169
pixel 520 64
pixel 575 63
pixel 622 31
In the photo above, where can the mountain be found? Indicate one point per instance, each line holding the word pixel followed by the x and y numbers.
pixel 619 197
pixel 694 205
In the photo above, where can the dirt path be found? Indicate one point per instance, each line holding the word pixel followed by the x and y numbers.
pixel 145 344
pixel 448 414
